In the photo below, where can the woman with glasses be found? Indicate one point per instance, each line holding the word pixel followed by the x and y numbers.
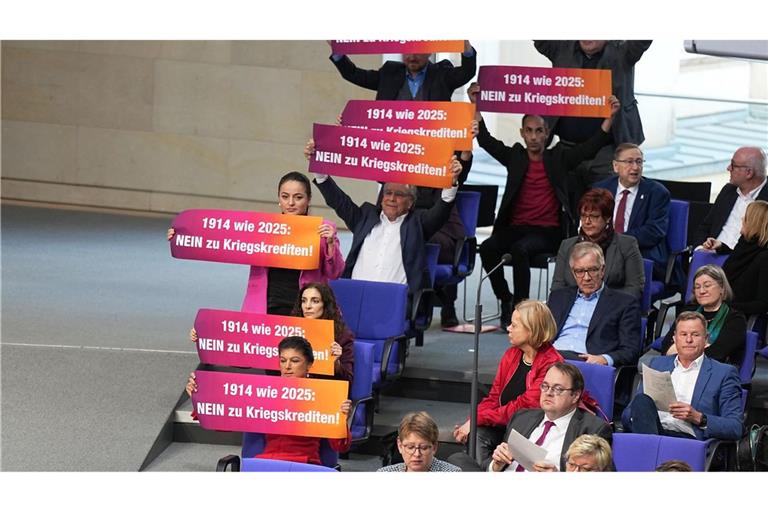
pixel 623 261
pixel 521 370
pixel 417 443
pixel 727 327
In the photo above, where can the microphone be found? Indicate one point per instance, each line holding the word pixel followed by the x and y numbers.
pixel 506 258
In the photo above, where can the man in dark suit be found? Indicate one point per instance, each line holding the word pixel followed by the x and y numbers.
pixel 747 183
pixel 388 241
pixel 418 79
pixel 415 78
pixel 553 427
pixel 595 323
pixel 708 392
pixel 642 206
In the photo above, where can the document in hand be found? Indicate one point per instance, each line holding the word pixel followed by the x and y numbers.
pixel 658 385
pixel 525 452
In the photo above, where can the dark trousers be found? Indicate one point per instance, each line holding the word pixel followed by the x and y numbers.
pixel 522 243
pixel 644 418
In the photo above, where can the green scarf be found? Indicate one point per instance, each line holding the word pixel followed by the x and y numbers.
pixel 716 324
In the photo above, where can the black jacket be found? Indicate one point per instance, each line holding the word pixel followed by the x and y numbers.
pixel 716 218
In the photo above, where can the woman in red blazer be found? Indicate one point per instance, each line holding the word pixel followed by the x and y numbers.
pixel 521 370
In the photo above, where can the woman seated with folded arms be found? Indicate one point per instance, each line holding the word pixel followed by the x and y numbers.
pixel 316 300
pixel 727 327
pixel 296 359
pixel 747 265
pixel 417 443
pixel 623 261
pixel 521 369
pixel 273 290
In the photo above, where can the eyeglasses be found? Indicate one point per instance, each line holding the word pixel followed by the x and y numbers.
pixel 572 466
pixel 398 194
pixel 736 166
pixel 556 390
pixel 629 161
pixel 579 272
pixel 410 449
pixel 594 217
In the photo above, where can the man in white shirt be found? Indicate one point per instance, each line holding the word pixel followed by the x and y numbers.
pixel 708 392
pixel 747 183
pixel 388 242
pixel 554 426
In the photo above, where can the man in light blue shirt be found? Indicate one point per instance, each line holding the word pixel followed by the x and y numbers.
pixel 595 323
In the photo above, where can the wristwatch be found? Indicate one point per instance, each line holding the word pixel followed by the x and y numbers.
pixel 703 422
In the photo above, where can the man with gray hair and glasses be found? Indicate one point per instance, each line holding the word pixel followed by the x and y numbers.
pixel 747 183
pixel 595 323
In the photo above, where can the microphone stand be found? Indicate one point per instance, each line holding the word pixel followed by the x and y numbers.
pixel 475 365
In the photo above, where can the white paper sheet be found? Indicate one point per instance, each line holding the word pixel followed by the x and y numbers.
pixel 525 452
pixel 658 385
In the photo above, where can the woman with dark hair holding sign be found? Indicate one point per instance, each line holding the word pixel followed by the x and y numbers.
pixel 273 290
pixel 316 300
pixel 296 359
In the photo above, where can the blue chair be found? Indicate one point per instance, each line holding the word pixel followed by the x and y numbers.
pixel 254 443
pixel 599 381
pixel 677 262
pixel 644 452
pixel 376 313
pixel 361 393
pixel 262 465
pixel 468 205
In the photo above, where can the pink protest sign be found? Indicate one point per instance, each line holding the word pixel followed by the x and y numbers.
pixel 239 402
pixel 374 46
pixel 249 238
pixel 378 156
pixel 249 340
pixel 445 121
pixel 545 91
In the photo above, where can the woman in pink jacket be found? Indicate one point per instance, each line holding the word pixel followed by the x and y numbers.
pixel 521 371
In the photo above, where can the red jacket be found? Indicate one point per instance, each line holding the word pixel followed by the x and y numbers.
pixel 299 448
pixel 490 412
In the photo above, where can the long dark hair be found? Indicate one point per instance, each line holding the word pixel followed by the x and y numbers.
pixel 299 344
pixel 330 309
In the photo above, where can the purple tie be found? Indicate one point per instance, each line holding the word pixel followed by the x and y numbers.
pixel 547 425
pixel 618 224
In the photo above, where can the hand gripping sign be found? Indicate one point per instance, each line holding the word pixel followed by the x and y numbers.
pixel 375 46
pixel 445 121
pixel 378 156
pixel 249 238
pixel 249 340
pixel 239 402
pixel 545 91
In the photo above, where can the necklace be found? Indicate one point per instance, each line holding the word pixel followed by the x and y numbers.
pixel 526 363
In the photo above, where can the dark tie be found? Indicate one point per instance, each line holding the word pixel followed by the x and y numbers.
pixel 618 223
pixel 547 425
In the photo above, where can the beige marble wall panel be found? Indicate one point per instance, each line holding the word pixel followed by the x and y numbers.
pixel 282 54
pixel 192 98
pixel 116 91
pixel 62 46
pixel 153 162
pixel 38 151
pixel 174 203
pixel 41 86
pixel 75 195
pixel 214 52
pixel 144 49
pixel 265 105
pixel 256 167
pixel 324 95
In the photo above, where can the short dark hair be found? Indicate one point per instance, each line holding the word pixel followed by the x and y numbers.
pixel 526 116
pixel 625 146
pixel 674 465
pixel 296 176
pixel 599 200
pixel 577 379
pixel 298 344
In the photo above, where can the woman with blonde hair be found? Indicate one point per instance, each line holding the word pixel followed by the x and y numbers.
pixel 521 369
pixel 747 265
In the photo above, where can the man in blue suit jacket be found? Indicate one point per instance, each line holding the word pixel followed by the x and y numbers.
pixel 708 392
pixel 645 215
pixel 595 324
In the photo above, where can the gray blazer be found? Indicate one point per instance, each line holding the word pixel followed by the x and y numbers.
pixel 623 266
